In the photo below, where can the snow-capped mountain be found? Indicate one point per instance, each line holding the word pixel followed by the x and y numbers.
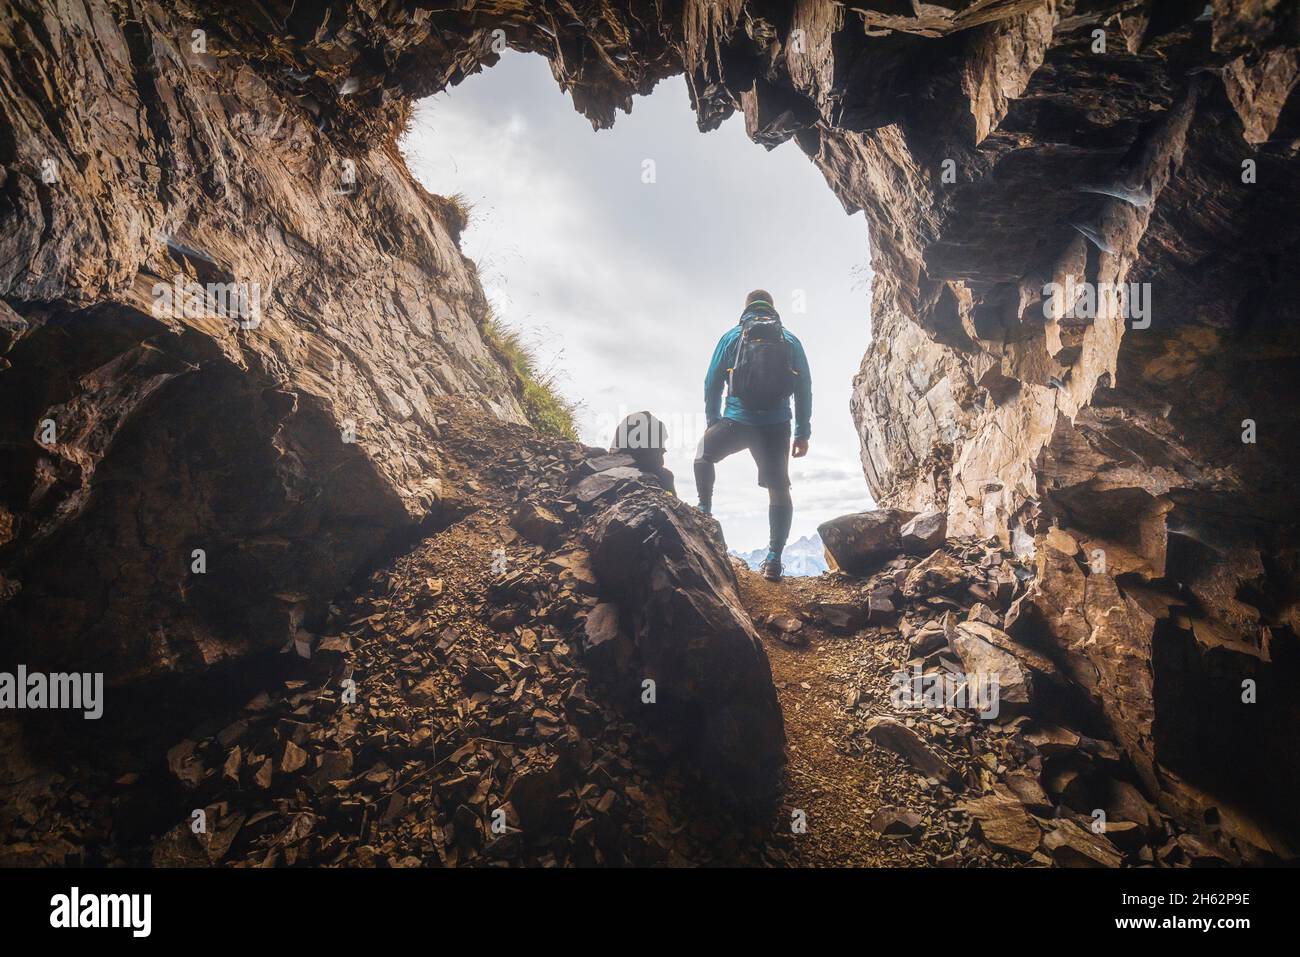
pixel 807 556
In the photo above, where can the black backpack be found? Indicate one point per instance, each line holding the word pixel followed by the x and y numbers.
pixel 763 376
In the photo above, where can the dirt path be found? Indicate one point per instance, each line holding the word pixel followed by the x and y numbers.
pixel 828 687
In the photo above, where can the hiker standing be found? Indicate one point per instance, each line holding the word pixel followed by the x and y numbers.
pixel 762 365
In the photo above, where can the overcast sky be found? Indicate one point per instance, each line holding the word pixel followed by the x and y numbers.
pixel 625 285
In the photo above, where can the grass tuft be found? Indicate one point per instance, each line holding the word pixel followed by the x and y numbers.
pixel 547 410
pixel 455 210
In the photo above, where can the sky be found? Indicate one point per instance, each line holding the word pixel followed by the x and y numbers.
pixel 623 255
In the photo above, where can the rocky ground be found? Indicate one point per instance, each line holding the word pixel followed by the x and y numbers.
pixel 884 783
pixel 480 700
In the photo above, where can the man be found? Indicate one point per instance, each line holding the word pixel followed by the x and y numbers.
pixel 763 365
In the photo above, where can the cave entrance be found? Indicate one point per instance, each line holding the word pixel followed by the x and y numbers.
pixel 621 256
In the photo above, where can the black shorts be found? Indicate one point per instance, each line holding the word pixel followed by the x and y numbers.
pixel 768 444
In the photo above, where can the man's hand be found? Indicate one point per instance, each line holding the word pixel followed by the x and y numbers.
pixel 800 448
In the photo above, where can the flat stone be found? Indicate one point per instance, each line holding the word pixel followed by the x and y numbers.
pixel 924 533
pixel 937 574
pixel 1004 822
pixel 903 741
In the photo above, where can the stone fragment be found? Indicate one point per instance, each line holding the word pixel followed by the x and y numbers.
pixel 895 822
pixel 1072 845
pixel 928 639
pixel 922 534
pixel 903 741
pixel 605 645
pixel 839 616
pixel 535 792
pixel 1024 785
pixel 185 765
pixel 601 485
pixel 603 463
pixel 880 609
pixel 536 523
pixel 937 574
pixel 1003 821
pixel 292 758
pixel 989 652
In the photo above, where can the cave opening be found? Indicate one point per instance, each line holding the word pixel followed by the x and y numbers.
pixel 621 255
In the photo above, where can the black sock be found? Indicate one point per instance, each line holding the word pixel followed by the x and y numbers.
pixel 705 474
pixel 779 517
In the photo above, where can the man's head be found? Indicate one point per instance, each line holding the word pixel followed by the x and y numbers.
pixel 758 295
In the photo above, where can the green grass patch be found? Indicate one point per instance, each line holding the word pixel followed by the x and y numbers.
pixel 546 409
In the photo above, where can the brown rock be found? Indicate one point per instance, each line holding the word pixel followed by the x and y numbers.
pixel 1105 638
pixel 894 822
pixel 880 610
pixel 185 765
pixel 1024 785
pixel 935 575
pixel 856 543
pixel 234 763
pixel 1003 821
pixel 903 741
pixel 930 638
pixel 659 559
pixel 1126 803
pixel 1074 846
pixel 331 767
pixel 605 644
pixel 263 775
pixel 603 463
pixel 924 533
pixel 987 651
pixel 839 616
pixel 292 758
pixel 539 525
pixel 603 485
pixel 535 792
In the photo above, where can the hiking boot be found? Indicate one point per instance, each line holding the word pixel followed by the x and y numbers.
pixel 771 569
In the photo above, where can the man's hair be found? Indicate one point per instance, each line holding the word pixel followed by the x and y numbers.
pixel 758 295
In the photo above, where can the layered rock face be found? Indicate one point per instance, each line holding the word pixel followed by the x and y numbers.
pixel 1136 452
pixel 222 336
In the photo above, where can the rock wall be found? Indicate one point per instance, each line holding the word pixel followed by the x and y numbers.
pixel 289 443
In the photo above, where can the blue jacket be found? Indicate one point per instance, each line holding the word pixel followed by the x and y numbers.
pixel 724 358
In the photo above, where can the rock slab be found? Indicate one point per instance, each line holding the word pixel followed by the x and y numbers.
pixel 712 684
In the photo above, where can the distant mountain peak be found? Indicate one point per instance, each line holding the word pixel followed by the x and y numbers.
pixel 804 556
